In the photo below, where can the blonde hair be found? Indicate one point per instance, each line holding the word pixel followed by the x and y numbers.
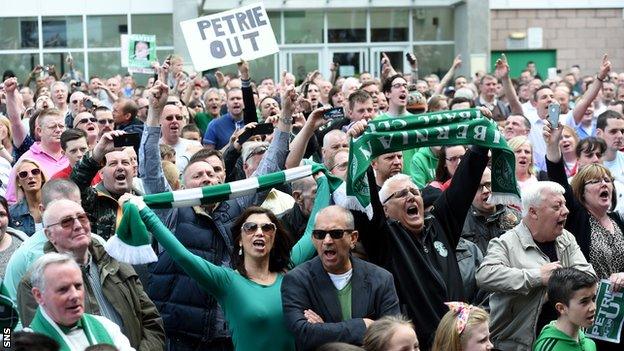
pixel 19 191
pixel 381 331
pixel 172 174
pixel 5 122
pixel 447 338
pixel 516 142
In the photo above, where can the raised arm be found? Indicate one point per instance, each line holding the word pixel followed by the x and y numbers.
pixel 299 144
pixel 592 91
pixel 502 73
pixel 249 110
pixel 14 111
pixel 439 89
pixel 213 278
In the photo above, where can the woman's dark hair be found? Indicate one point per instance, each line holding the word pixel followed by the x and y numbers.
pixel 279 257
pixel 441 173
pixel 5 204
pixel 333 91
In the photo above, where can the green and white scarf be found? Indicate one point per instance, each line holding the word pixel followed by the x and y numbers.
pixel 131 244
pixel 459 127
pixel 94 330
pixel 8 310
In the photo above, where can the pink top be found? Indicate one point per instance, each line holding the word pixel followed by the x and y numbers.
pixel 49 166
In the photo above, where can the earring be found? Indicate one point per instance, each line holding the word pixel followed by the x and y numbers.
pixel 240 251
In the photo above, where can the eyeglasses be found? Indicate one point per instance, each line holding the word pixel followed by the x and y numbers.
pixel 87 120
pixel 454 158
pixel 335 234
pixel 252 227
pixel 403 193
pixel 106 121
pixel 599 180
pixel 171 117
pixel 488 185
pixel 67 222
pixel 24 174
pixel 399 85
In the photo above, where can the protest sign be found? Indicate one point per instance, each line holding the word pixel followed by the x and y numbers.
pixel 141 53
pixel 609 314
pixel 227 37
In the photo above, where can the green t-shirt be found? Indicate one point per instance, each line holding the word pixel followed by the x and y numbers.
pixel 344 298
pixel 553 339
pixel 424 164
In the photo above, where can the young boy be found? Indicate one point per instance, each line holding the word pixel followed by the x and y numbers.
pixel 574 295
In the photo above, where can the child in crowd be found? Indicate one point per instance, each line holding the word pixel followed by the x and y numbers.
pixel 574 295
pixel 463 328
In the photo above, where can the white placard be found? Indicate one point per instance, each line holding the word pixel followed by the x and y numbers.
pixel 227 37
pixel 535 38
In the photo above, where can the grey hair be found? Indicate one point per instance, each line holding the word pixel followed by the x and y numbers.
pixel 351 81
pixel 302 184
pixel 385 193
pixel 56 189
pixel 37 270
pixel 52 207
pixel 332 133
pixel 334 210
pixel 532 195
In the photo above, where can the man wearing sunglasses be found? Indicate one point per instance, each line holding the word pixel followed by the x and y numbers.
pixel 172 121
pixel 112 289
pixel 105 120
pixel 125 116
pixel 335 296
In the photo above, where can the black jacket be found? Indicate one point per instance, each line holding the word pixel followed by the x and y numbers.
pixel 481 229
pixel 308 286
pixel 425 269
pixel 294 221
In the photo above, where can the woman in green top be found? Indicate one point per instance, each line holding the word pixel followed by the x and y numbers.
pixel 250 295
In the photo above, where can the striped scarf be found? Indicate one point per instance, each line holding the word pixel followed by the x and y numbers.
pixel 131 244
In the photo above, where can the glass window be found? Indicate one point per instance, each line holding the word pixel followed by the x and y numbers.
pixel 349 63
pixel 19 33
pixel 159 25
pixel 389 24
pixel 433 24
pixel 20 64
pixel 346 26
pixel 105 31
pixel 106 64
pixel 434 59
pixel 262 67
pixel 62 32
pixel 303 27
pixel 276 24
pixel 61 57
pixel 303 63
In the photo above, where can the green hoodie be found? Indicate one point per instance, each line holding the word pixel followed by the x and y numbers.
pixel 553 339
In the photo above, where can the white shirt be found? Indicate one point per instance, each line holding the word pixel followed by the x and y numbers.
pixel 616 166
pixel 182 154
pixel 341 280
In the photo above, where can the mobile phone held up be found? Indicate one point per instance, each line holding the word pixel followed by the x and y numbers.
pixel 128 139
pixel 553 115
pixel 410 58
pixel 334 113
pixel 259 129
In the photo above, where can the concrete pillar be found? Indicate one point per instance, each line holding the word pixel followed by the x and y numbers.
pixel 472 35
pixel 183 10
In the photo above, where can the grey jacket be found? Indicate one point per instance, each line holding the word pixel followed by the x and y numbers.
pixel 511 270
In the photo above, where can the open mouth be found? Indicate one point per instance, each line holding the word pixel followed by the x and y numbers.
pixel 32 183
pixel 90 128
pixel 329 254
pixel 561 222
pixel 120 177
pixel 604 195
pixel 402 97
pixel 412 210
pixel 259 244
pixel 523 162
pixel 74 309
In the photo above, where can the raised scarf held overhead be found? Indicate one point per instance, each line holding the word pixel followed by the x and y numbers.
pixel 131 244
pixel 459 127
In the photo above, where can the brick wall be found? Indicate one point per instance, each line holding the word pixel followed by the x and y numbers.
pixel 580 36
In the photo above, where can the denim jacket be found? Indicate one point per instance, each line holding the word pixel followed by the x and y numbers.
pixel 21 218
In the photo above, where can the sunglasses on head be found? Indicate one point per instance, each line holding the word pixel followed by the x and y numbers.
pixel 335 234
pixel 24 174
pixel 67 222
pixel 252 227
pixel 87 120
pixel 171 117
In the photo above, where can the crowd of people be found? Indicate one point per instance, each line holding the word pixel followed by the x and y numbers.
pixel 431 264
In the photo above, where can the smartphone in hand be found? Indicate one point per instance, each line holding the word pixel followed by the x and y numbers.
pixel 128 139
pixel 334 113
pixel 554 110
pixel 259 129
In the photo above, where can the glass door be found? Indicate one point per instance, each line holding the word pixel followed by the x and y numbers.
pixel 300 62
pixel 352 61
pixel 396 56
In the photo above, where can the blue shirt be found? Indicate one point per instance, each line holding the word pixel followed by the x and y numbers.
pixel 220 130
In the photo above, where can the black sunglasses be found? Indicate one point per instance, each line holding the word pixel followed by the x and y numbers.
pixel 335 234
pixel 87 120
pixel 252 227
pixel 177 117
